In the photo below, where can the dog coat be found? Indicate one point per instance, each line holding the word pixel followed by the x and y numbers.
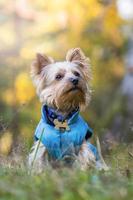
pixel 63 143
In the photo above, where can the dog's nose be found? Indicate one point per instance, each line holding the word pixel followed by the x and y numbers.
pixel 74 81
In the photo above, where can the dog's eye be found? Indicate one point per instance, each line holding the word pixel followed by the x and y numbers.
pixel 76 73
pixel 59 77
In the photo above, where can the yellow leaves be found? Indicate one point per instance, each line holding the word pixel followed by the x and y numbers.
pixel 93 8
pixel 111 24
pixel 82 12
pixel 7 36
pixel 27 52
pixel 22 91
pixel 23 88
pixel 117 69
pixel 5 143
pixel 8 97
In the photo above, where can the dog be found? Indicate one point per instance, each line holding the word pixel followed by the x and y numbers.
pixel 64 90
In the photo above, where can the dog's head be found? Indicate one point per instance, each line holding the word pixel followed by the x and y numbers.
pixel 63 85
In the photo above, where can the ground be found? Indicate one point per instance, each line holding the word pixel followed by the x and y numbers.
pixel 67 184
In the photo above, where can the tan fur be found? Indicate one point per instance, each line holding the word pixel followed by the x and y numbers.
pixel 56 93
pixel 77 56
pixel 52 92
pixel 38 64
pixel 86 157
pixel 36 162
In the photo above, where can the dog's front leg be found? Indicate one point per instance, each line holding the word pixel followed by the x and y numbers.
pixel 37 158
pixel 86 158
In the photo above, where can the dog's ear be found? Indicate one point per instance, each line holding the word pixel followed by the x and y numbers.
pixel 76 55
pixel 40 62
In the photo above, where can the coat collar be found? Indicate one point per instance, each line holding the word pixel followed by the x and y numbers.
pixel 49 114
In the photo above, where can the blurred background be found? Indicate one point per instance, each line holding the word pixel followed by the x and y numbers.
pixel 104 31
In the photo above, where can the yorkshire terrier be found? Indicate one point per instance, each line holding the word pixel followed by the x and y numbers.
pixel 64 90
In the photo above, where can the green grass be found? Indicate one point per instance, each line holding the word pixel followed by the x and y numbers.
pixel 68 184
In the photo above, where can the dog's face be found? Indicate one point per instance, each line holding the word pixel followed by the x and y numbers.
pixel 63 85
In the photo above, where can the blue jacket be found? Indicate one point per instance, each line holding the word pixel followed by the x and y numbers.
pixel 60 144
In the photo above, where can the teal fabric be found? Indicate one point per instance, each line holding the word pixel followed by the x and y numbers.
pixel 60 144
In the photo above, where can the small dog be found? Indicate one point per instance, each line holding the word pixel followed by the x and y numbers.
pixel 63 89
